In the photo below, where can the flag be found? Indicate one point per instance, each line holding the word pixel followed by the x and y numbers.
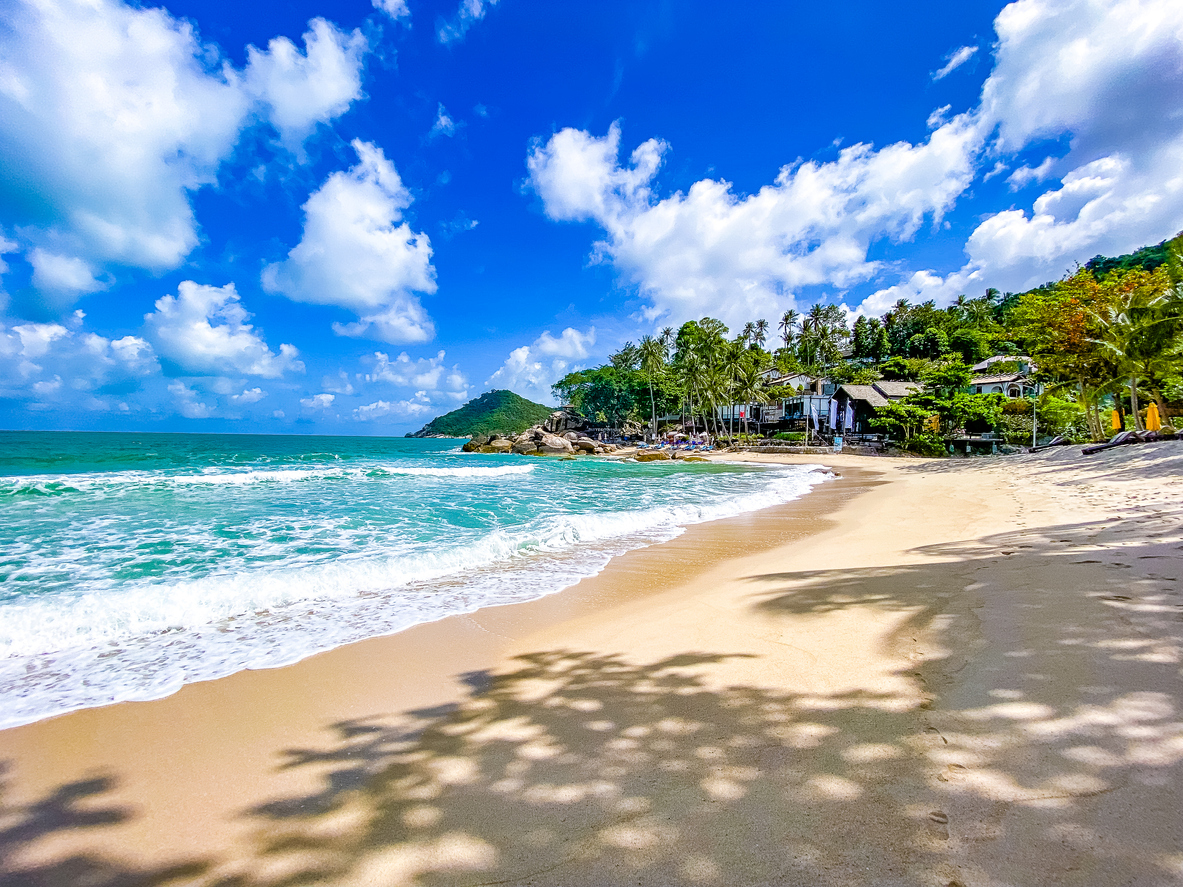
pixel 834 414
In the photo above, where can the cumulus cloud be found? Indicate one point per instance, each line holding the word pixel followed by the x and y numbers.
pixel 469 13
pixel 318 401
pixel 737 257
pixel 203 330
pixel 64 364
pixel 109 116
pixel 301 90
pixel 399 409
pixel 428 374
pixel 955 60
pixel 396 9
pixel 248 396
pixel 358 253
pixel 532 369
pixel 187 401
pixel 112 115
pixel 63 278
pixel 1103 79
pixel 1108 76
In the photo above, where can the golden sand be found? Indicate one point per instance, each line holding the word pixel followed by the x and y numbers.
pixel 922 673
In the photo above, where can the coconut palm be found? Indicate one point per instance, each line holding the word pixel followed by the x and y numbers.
pixel 788 327
pixel 653 354
pixel 760 336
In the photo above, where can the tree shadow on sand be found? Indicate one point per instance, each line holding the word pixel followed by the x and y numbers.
pixel 66 810
pixel 579 768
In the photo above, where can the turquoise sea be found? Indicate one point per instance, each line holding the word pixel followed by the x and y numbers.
pixel 131 564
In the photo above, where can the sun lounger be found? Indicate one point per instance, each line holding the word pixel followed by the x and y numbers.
pixel 1128 437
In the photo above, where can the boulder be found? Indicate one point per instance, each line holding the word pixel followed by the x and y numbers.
pixel 552 444
pixel 573 436
pixel 653 456
pixel 525 447
pixel 587 445
pixel 500 445
pixel 561 421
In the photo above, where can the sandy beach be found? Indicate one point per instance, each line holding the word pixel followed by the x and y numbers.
pixel 924 672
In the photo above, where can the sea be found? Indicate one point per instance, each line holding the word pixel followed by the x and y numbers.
pixel 132 564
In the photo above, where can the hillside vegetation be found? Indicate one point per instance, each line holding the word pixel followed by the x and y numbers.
pixel 499 410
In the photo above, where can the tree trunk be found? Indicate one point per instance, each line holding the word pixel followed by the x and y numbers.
pixel 1134 404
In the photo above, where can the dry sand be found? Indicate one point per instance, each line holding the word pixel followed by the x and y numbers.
pixel 923 673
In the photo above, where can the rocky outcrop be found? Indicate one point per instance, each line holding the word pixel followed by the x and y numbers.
pixel 653 456
pixel 563 421
pixel 537 441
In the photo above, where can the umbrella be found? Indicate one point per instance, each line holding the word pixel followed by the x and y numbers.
pixel 1153 422
pixel 1116 423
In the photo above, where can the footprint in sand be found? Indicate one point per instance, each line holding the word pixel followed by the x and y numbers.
pixel 952 773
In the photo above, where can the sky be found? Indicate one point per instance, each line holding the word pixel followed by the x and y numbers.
pixel 349 217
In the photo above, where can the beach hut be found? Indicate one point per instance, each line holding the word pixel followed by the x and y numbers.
pixel 857 404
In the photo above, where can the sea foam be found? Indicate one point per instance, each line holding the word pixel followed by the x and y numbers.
pixel 106 639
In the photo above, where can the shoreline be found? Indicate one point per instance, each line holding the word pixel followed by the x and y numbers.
pixel 917 673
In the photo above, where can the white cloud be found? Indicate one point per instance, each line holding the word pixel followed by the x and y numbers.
pixel 318 401
pixel 532 369
pixel 1025 175
pixel 300 90
pixel 396 9
pixel 112 115
pixel 359 254
pixel 711 251
pixel 204 331
pixel 468 14
pixel 955 60
pixel 187 403
pixel 1109 77
pixel 338 384
pixel 428 374
pixel 249 395
pixel 444 125
pixel 380 409
pixel 64 364
pixel 62 275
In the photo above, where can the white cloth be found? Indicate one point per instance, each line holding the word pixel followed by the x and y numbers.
pixel 849 415
pixel 833 413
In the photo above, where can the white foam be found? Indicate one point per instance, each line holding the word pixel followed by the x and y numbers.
pixel 140 641
pixel 61 483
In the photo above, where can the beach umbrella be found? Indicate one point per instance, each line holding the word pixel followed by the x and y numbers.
pixel 1153 422
pixel 1115 423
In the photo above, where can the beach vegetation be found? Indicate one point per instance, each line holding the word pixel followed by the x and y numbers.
pixel 494 411
pixel 1106 337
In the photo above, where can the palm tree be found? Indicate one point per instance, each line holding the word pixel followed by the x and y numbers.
pixel 653 356
pixel 761 332
pixel 788 327
pixel 1141 333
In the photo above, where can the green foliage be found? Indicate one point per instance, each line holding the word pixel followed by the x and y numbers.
pixel 499 410
pixel 790 435
pixel 1148 258
pixel 902 369
pixel 929 445
pixel 853 374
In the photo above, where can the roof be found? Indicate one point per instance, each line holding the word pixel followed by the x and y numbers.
pixel 895 389
pixel 986 364
pixel 996 380
pixel 866 393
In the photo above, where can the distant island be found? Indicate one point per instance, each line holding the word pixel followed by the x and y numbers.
pixel 500 410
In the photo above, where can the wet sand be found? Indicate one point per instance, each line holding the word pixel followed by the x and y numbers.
pixel 921 673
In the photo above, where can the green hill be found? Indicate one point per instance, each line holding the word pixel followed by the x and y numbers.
pixel 501 411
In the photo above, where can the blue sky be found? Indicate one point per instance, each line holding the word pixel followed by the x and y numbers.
pixel 350 217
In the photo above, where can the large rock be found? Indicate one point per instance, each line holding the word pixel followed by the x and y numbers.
pixel 653 456
pixel 553 445
pixel 561 421
pixel 525 447
pixel 501 445
pixel 587 445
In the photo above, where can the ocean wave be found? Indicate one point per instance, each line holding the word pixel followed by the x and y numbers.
pixel 140 641
pixel 58 485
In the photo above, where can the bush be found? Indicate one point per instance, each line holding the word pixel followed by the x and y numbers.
pixel 790 435
pixel 925 445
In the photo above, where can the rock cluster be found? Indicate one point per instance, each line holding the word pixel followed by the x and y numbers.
pixel 564 421
pixel 537 441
